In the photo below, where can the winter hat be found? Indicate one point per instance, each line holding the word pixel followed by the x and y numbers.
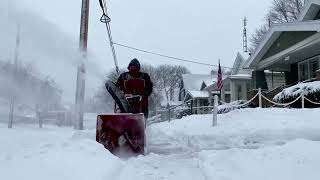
pixel 134 62
pixel 318 71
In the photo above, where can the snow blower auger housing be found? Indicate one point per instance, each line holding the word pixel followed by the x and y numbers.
pixel 123 134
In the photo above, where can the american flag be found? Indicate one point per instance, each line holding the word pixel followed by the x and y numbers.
pixel 219 78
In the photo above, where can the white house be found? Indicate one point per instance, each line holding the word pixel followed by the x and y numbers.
pixel 193 88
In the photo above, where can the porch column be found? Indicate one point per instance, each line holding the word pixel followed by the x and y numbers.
pixel 210 97
pixel 234 92
pixel 259 80
pixel 198 105
pixel 223 94
pixel 244 90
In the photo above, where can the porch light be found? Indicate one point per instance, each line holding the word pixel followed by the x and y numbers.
pixel 287 58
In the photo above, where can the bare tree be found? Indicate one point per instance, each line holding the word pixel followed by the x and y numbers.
pixel 165 78
pixel 281 11
pixel 170 78
pixel 257 37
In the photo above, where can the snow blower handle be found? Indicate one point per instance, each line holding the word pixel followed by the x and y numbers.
pixel 133 98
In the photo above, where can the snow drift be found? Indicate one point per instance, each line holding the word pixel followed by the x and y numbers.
pixel 247 144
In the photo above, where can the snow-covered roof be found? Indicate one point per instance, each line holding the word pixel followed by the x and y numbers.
pixel 193 82
pixel 237 63
pixel 239 66
pixel 199 94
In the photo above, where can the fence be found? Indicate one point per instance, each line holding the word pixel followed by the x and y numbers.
pixel 262 98
pixel 59 118
pixel 259 97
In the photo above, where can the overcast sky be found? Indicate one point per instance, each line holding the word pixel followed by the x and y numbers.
pixel 203 30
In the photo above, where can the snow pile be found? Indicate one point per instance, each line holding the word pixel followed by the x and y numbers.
pixel 247 144
pixel 51 153
pixel 296 90
pixel 293 161
pixel 245 128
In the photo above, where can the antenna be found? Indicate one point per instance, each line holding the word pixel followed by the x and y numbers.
pixel 245 38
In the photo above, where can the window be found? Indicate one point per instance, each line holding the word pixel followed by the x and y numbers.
pixel 308 68
pixel 303 71
pixel 314 66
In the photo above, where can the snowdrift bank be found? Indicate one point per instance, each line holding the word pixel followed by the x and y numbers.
pixel 245 128
pixel 51 153
pixel 294 161
pixel 247 144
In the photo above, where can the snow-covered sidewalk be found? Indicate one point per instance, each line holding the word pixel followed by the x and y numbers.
pixel 247 144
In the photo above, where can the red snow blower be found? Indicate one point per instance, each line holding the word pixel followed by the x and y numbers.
pixel 122 133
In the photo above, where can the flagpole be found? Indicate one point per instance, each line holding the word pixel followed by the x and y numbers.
pixel 221 73
pixel 220 80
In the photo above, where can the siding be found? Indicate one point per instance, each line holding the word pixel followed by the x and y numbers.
pixel 278 80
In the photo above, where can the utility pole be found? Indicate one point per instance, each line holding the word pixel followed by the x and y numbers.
pixel 81 70
pixel 14 77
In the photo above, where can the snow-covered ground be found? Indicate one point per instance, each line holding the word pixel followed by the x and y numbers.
pixel 247 144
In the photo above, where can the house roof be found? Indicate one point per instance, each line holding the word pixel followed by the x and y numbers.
pixel 239 66
pixel 274 32
pixel 193 82
pixel 237 63
pixel 304 23
pixel 199 94
pixel 310 10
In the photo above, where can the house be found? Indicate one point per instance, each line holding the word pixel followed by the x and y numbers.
pixel 238 83
pixel 290 48
pixel 193 88
pixel 235 85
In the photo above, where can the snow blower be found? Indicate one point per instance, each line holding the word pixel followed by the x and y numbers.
pixel 122 132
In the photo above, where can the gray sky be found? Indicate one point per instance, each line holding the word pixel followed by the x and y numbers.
pixel 200 30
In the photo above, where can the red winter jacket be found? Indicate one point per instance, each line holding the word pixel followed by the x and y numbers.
pixel 139 84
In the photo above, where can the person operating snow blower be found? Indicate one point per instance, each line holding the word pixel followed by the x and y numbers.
pixel 137 87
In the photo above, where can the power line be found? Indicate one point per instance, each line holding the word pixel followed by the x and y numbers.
pixel 169 57
pixel 106 20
